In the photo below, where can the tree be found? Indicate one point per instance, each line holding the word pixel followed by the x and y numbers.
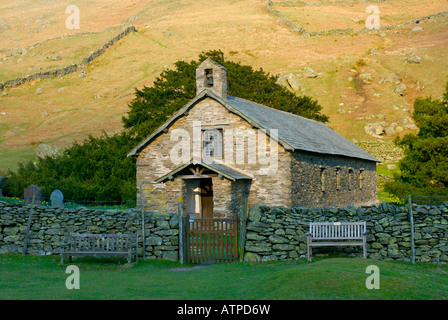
pixel 96 170
pixel 152 106
pixel 424 168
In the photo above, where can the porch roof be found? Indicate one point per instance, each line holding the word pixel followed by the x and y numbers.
pixel 221 169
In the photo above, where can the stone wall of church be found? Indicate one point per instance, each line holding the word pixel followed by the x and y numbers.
pixel 155 161
pixel 296 179
pixel 329 180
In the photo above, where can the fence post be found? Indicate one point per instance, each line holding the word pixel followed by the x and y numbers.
pixel 411 218
pixel 143 222
pixel 27 234
pixel 181 233
pixel 242 231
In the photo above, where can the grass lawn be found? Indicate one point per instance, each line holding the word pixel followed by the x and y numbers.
pixel 10 158
pixel 36 277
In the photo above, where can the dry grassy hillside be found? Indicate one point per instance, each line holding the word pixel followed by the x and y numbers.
pixel 355 77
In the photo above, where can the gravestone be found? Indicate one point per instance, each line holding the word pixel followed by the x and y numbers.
pixel 33 191
pixel 57 199
pixel 2 185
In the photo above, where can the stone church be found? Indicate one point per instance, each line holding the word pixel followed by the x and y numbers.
pixel 220 151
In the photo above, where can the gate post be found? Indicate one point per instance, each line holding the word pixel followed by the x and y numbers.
pixel 182 235
pixel 242 229
pixel 411 220
pixel 143 223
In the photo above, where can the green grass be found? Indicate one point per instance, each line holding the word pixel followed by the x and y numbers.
pixel 10 158
pixel 382 169
pixel 12 200
pixel 384 196
pixel 72 50
pixel 36 277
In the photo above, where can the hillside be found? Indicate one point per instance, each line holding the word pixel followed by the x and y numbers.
pixel 365 82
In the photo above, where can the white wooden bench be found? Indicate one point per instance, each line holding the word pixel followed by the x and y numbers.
pixel 100 245
pixel 328 234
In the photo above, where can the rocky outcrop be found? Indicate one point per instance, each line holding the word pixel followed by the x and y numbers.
pixel 47 150
pixel 414 59
pixel 374 129
pixel 289 81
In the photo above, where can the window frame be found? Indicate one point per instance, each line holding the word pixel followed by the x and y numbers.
pixel 219 144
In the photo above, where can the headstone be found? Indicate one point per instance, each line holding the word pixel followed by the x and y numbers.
pixel 2 183
pixel 33 191
pixel 57 199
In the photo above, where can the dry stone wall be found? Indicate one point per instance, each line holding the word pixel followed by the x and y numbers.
pixel 50 228
pixel 280 233
pixel 68 69
pixel 271 233
pixel 384 150
pixel 349 31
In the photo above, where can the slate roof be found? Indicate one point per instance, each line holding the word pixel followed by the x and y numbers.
pixel 298 132
pixel 294 132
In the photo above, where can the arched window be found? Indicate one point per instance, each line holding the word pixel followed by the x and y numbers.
pixel 361 177
pixel 338 178
pixel 322 178
pixel 350 178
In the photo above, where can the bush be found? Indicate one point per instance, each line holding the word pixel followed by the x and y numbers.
pixel 424 168
pixel 96 170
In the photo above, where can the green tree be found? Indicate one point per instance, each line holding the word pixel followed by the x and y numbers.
pixel 152 106
pixel 97 169
pixel 424 168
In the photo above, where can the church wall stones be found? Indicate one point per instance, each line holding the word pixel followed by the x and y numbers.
pixel 154 161
pixel 336 180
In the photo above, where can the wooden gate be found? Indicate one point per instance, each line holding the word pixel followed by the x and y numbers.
pixel 212 239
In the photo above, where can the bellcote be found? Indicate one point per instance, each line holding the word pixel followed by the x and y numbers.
pixel 213 76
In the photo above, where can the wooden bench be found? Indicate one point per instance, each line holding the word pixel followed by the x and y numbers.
pixel 325 234
pixel 100 245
